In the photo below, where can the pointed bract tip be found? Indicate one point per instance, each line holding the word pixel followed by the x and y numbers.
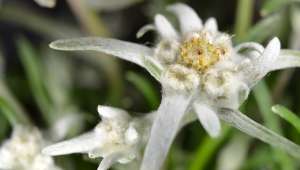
pixel 53 45
pixel 214 133
pixel 111 112
pixel 58 45
pixel 211 24
pixel 274 44
pixel 164 27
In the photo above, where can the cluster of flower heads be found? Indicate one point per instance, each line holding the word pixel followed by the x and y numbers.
pixel 117 138
pixel 203 76
pixel 23 151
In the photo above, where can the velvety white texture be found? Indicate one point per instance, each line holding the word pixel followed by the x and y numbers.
pixel 23 151
pixel 117 138
pixel 208 118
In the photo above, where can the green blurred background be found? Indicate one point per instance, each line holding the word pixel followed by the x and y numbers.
pixel 45 84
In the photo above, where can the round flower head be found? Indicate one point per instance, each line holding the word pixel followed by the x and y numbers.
pixel 201 73
pixel 117 138
pixel 23 151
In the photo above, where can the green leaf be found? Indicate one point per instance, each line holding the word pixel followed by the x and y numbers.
pixel 287 115
pixel 145 87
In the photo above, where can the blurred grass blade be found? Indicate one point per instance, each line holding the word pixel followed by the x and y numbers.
pixel 207 149
pixel 256 130
pixel 89 20
pixel 93 24
pixel 259 159
pixel 4 126
pixel 37 22
pixel 10 107
pixel 258 32
pixel 9 114
pixel 294 42
pixel 111 4
pixel 145 87
pixel 35 77
pixel 243 17
pixel 12 116
pixel 271 6
pixel 264 102
pixel 287 115
pixel 58 73
pixel 234 153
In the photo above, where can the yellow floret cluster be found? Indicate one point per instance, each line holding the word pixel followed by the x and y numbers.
pixel 198 53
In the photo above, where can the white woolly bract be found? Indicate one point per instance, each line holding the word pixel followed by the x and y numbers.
pixel 23 151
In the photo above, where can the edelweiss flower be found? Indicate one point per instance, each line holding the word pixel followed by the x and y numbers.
pixel 117 138
pixel 200 72
pixel 23 151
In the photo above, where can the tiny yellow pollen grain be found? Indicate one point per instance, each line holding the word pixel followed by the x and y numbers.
pixel 198 53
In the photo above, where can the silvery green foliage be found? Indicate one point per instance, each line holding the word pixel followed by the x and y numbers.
pixel 117 138
pixel 23 151
pixel 201 72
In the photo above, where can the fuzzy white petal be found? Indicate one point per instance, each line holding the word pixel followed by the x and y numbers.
pixel 131 135
pixel 164 129
pixel 80 144
pixel 261 64
pixel 188 18
pixel 211 25
pixel 132 52
pixel 208 118
pixel 164 27
pixel 254 129
pixel 287 59
pixel 269 55
pixel 112 113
